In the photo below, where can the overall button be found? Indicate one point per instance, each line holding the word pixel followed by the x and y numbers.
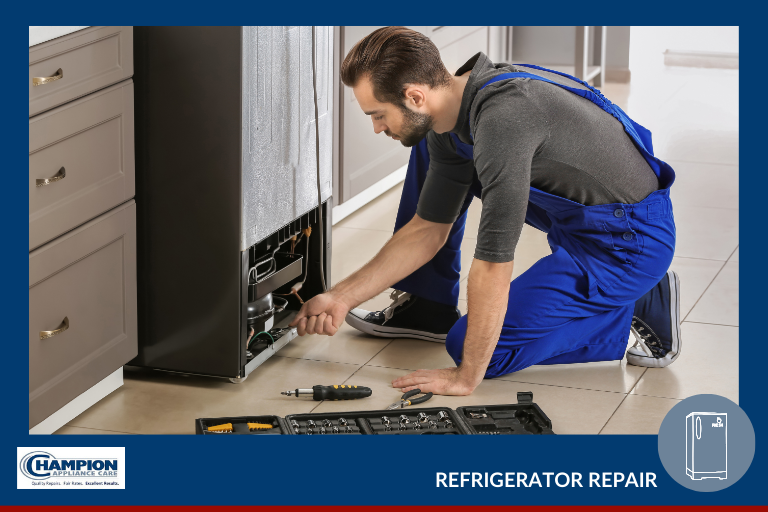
pixel 618 212
pixel 627 236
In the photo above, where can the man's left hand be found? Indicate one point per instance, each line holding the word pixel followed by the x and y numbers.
pixel 449 381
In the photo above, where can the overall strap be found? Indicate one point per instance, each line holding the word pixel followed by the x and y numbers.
pixel 640 135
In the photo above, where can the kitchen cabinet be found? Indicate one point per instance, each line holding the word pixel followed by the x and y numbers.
pixel 82 220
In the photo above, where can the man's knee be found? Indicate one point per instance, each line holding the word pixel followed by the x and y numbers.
pixel 454 341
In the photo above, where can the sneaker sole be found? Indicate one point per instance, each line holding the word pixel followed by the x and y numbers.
pixel 674 353
pixel 384 331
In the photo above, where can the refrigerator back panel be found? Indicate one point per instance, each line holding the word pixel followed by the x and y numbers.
pixel 279 164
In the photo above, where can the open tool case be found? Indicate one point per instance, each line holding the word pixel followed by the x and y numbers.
pixel 240 425
pixel 524 417
pixel 373 422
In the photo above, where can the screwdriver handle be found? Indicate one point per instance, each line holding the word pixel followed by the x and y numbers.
pixel 340 392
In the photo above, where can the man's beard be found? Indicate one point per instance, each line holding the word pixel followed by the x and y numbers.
pixel 415 127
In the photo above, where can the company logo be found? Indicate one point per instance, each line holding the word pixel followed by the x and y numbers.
pixel 719 423
pixel 43 465
pixel 70 468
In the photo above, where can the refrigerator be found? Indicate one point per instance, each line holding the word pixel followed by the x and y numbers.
pixel 227 177
pixel 706 445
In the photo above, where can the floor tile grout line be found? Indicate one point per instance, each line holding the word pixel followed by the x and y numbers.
pixel 515 381
pixel 355 372
pixel 315 360
pixel 103 430
pixel 622 401
pixel 707 288
pixel 669 98
pixel 662 397
pixel 701 259
pixel 708 323
pixel 613 414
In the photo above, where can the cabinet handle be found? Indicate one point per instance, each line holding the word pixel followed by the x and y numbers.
pixel 42 80
pixel 44 335
pixel 56 177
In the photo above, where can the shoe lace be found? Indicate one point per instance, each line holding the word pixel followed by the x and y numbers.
pixel 646 342
pixel 398 298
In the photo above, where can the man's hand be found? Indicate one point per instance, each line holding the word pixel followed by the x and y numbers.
pixel 449 381
pixel 323 314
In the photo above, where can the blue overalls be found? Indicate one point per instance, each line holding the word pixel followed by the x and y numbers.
pixel 574 305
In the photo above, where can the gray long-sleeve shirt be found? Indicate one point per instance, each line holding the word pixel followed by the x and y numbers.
pixel 528 133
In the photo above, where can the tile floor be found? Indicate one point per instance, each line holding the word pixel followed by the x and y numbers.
pixel 695 127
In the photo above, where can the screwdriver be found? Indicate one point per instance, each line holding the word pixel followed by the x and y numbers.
pixel 338 392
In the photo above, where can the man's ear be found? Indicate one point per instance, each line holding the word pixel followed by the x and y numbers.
pixel 415 96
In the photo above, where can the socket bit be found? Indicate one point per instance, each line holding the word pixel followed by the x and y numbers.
pixel 385 420
pixel 432 424
pixel 443 416
pixel 310 431
pixel 448 424
pixel 327 423
pixel 294 424
pixel 348 429
pixel 404 419
pixel 322 430
pixel 403 427
pixel 417 426
pixel 342 422
pixel 423 417
pixel 311 424
pixel 335 430
pixel 387 428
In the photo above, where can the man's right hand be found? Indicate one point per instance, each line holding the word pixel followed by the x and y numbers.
pixel 323 314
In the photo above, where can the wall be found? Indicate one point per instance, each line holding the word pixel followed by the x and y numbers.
pixel 555 46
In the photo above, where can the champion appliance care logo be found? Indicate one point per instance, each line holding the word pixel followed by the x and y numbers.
pixel 71 468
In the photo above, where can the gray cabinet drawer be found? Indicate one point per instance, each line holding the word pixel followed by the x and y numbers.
pixel 89 60
pixel 91 139
pixel 89 277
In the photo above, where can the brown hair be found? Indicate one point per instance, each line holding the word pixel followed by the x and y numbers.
pixel 392 57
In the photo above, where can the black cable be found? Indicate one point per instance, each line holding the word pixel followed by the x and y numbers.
pixel 317 161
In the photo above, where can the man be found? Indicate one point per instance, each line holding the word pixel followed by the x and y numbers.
pixel 536 147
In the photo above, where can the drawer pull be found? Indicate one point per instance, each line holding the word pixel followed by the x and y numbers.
pixel 56 177
pixel 44 335
pixel 42 80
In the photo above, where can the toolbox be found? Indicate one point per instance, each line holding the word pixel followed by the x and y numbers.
pixel 522 418
pixel 240 425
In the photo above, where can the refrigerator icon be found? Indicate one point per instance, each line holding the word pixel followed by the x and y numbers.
pixel 706 445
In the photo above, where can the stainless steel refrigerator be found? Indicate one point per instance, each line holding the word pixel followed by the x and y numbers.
pixel 226 189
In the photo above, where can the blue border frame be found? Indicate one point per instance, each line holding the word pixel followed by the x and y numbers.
pixel 187 469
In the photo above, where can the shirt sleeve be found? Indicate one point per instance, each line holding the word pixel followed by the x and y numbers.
pixel 509 130
pixel 448 180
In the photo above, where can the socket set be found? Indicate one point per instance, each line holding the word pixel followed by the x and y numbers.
pixel 240 426
pixel 407 421
pixel 522 418
pixel 326 424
